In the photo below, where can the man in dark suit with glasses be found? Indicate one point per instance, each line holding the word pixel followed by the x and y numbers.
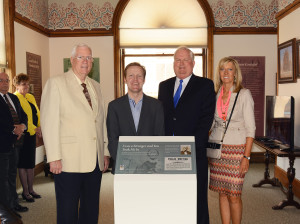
pixel 13 122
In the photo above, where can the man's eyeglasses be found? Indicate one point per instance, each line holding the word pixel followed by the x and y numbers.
pixel 83 58
pixel 4 80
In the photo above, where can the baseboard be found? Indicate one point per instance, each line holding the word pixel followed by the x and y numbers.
pixel 38 168
pixel 281 175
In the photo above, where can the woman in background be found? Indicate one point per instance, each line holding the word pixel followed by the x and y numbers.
pixel 227 174
pixel 27 152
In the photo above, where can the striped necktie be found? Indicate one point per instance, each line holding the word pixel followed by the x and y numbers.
pixel 87 95
pixel 177 94
pixel 12 111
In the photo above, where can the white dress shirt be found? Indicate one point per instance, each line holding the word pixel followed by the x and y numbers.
pixel 184 84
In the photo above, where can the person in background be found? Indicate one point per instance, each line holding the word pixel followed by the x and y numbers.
pixel 75 137
pixel 13 123
pixel 189 105
pixel 227 174
pixel 134 114
pixel 27 152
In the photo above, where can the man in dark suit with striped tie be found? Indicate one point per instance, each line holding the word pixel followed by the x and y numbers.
pixel 13 122
pixel 189 105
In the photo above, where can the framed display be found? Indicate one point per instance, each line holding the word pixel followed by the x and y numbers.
pixel 286 62
pixel 298 58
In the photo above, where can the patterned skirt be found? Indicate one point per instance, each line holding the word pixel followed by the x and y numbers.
pixel 224 172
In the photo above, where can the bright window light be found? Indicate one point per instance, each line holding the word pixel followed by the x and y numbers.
pixel 159 65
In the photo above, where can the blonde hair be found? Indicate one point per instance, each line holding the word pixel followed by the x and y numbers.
pixel 237 76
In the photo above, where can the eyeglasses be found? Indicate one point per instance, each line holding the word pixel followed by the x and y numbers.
pixel 4 80
pixel 83 58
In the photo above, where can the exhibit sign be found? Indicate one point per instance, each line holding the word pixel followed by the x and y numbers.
pixel 253 72
pixel 156 155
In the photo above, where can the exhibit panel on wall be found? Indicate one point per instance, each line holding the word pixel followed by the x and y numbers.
pixel 253 71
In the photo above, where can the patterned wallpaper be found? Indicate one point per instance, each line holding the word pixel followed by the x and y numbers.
pixel 284 3
pixel 97 14
pixel 80 16
pixel 34 10
pixel 257 13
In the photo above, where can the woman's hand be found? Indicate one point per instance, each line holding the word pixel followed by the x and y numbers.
pixel 38 132
pixel 244 166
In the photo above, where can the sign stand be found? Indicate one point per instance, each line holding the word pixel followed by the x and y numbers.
pixel 155 188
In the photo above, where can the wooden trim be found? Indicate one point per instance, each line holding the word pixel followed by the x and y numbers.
pixel 31 24
pixel 117 54
pixel 281 175
pixel 9 9
pixel 63 32
pixel 210 53
pixel 81 33
pixel 39 168
pixel 287 10
pixel 210 40
pixel 244 30
pixel 277 73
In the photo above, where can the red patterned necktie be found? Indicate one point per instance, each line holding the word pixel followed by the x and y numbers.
pixel 12 111
pixel 87 95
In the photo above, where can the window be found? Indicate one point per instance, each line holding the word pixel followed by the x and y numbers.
pixel 161 24
pixel 159 65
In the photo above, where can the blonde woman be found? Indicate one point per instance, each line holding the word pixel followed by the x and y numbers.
pixel 227 174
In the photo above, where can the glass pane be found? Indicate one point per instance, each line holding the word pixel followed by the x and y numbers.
pixel 159 68
pixel 157 50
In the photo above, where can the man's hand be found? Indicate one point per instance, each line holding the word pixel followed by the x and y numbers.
pixel 19 129
pixel 56 166
pixel 38 132
pixel 106 163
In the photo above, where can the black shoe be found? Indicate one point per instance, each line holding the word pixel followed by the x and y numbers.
pixel 17 214
pixel 27 197
pixel 20 208
pixel 35 195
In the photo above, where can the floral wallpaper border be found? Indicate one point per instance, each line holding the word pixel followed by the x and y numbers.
pixel 91 15
pixel 34 10
pixel 254 14
pixel 88 16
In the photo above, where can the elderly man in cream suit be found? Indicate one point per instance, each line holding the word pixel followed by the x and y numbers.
pixel 75 138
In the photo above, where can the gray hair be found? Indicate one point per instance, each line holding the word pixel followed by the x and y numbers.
pixel 186 49
pixel 74 50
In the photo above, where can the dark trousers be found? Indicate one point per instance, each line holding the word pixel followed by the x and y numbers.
pixel 73 189
pixel 202 184
pixel 8 175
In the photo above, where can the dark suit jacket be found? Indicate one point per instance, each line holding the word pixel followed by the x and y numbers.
pixel 194 113
pixel 7 138
pixel 120 121
pixel 193 116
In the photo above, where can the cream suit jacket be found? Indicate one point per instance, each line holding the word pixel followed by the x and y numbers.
pixel 242 122
pixel 72 131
